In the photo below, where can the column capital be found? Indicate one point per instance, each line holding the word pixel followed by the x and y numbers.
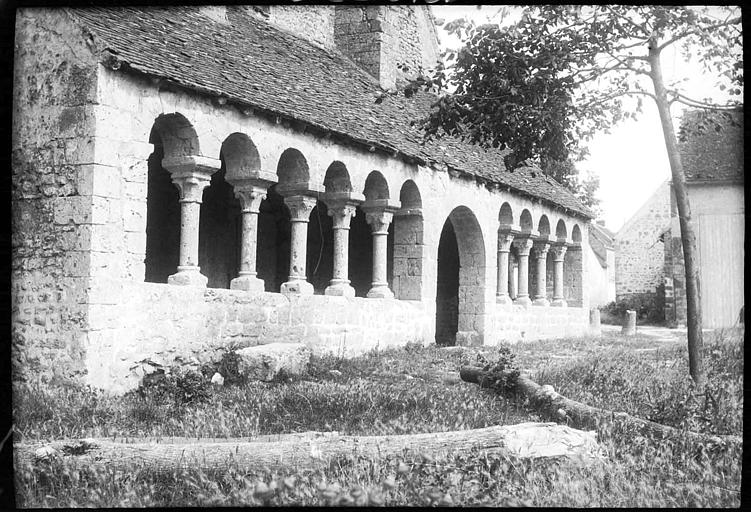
pixel 191 186
pixel 250 197
pixel 505 239
pixel 559 251
pixel 523 243
pixel 379 219
pixel 341 214
pixel 300 207
pixel 540 249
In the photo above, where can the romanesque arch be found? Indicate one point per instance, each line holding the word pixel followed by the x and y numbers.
pixel 172 136
pixel 573 268
pixel 408 244
pixel 460 290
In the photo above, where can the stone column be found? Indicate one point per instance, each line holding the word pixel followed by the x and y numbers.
pixel 342 215
pixel 513 271
pixel 191 175
pixel 504 246
pixel 523 245
pixel 299 207
pixel 559 252
pixel 541 255
pixel 379 220
pixel 250 198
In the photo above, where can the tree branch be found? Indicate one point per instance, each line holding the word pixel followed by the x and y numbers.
pixel 681 98
pixel 697 31
pixel 599 101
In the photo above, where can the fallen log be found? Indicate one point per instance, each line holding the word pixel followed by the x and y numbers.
pixel 583 416
pixel 314 449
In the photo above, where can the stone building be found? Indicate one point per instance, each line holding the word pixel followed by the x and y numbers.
pixel 190 180
pixel 640 252
pixel 713 163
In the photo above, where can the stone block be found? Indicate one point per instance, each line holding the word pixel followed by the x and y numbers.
pixel 264 362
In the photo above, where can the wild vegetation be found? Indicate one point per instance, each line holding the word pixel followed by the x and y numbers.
pixel 409 390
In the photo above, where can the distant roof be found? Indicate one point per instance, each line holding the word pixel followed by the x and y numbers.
pixel 252 63
pixel 601 241
pixel 714 153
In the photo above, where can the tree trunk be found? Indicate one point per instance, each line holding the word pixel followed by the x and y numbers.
pixel 583 416
pixel 688 236
pixel 312 450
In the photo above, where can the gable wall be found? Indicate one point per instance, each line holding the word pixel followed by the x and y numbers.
pixel 639 255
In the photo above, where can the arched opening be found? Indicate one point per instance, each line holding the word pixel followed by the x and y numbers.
pixel 337 179
pixel 461 274
pixel 172 135
pixel 292 171
pixel 272 264
pixel 408 248
pixel 376 188
pixel 162 219
pixel 543 227
pixel 572 270
pixel 506 215
pixel 560 230
pixel 320 256
pixel 525 221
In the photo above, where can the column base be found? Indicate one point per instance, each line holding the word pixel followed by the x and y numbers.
pixel 248 283
pixel 340 289
pixel 542 301
pixel 380 291
pixel 503 299
pixel 559 303
pixel 188 276
pixel 297 287
pixel 522 301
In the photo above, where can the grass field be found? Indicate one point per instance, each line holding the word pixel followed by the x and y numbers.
pixel 410 390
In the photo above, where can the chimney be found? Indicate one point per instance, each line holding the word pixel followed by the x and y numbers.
pixel 381 38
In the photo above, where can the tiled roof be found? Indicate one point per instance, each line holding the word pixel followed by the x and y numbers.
pixel 253 63
pixel 712 155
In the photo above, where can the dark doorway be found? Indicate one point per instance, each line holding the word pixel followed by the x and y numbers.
pixel 360 254
pixel 162 221
pixel 272 260
pixel 447 288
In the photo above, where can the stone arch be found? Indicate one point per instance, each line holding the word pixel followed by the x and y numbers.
pixel 176 135
pixel 461 279
pixel 293 171
pixel 543 226
pixel 576 234
pixel 506 215
pixel 240 156
pixel 525 221
pixel 162 253
pixel 409 251
pixel 561 232
pixel 376 187
pixel 337 179
pixel 573 267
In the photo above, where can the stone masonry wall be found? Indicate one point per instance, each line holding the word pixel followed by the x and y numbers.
pixel 54 202
pixel 639 254
pixel 512 323
pixel 380 38
pixel 189 326
pixel 313 22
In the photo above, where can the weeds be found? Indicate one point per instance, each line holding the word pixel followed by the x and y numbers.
pixel 402 391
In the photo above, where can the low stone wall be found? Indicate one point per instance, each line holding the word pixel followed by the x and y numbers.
pixel 187 326
pixel 512 323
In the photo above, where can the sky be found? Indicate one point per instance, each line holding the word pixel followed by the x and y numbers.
pixel 631 160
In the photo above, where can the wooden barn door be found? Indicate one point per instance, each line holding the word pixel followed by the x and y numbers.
pixel 721 256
